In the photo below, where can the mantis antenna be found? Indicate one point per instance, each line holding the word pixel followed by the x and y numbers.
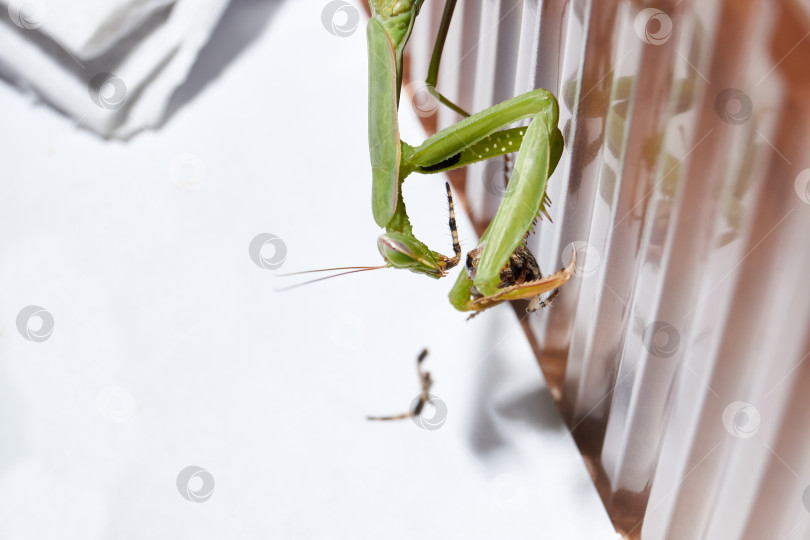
pixel 351 270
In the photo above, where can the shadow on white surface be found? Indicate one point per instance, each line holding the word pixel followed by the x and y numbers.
pixel 242 22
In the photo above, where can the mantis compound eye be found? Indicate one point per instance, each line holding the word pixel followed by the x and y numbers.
pixel 395 252
pixel 403 251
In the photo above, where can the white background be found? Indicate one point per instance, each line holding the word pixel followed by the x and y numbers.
pixel 171 347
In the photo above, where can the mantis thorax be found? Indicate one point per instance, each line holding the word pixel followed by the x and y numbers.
pixel 397 18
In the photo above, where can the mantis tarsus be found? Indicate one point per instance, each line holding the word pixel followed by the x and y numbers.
pixel 500 268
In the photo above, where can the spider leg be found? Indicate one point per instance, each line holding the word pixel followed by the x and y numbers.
pixel 536 303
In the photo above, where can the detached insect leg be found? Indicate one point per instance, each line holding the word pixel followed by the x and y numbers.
pixel 424 397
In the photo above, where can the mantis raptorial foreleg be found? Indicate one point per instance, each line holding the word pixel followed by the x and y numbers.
pixel 393 160
pixel 475 138
pixel 500 271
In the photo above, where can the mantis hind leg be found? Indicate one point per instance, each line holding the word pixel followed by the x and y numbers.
pixel 436 59
pixel 433 75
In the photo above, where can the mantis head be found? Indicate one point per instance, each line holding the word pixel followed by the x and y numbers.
pixel 400 250
pixel 403 250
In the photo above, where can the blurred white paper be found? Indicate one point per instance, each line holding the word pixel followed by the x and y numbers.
pixel 112 65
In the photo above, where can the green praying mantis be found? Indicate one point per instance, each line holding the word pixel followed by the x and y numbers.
pixel 501 268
